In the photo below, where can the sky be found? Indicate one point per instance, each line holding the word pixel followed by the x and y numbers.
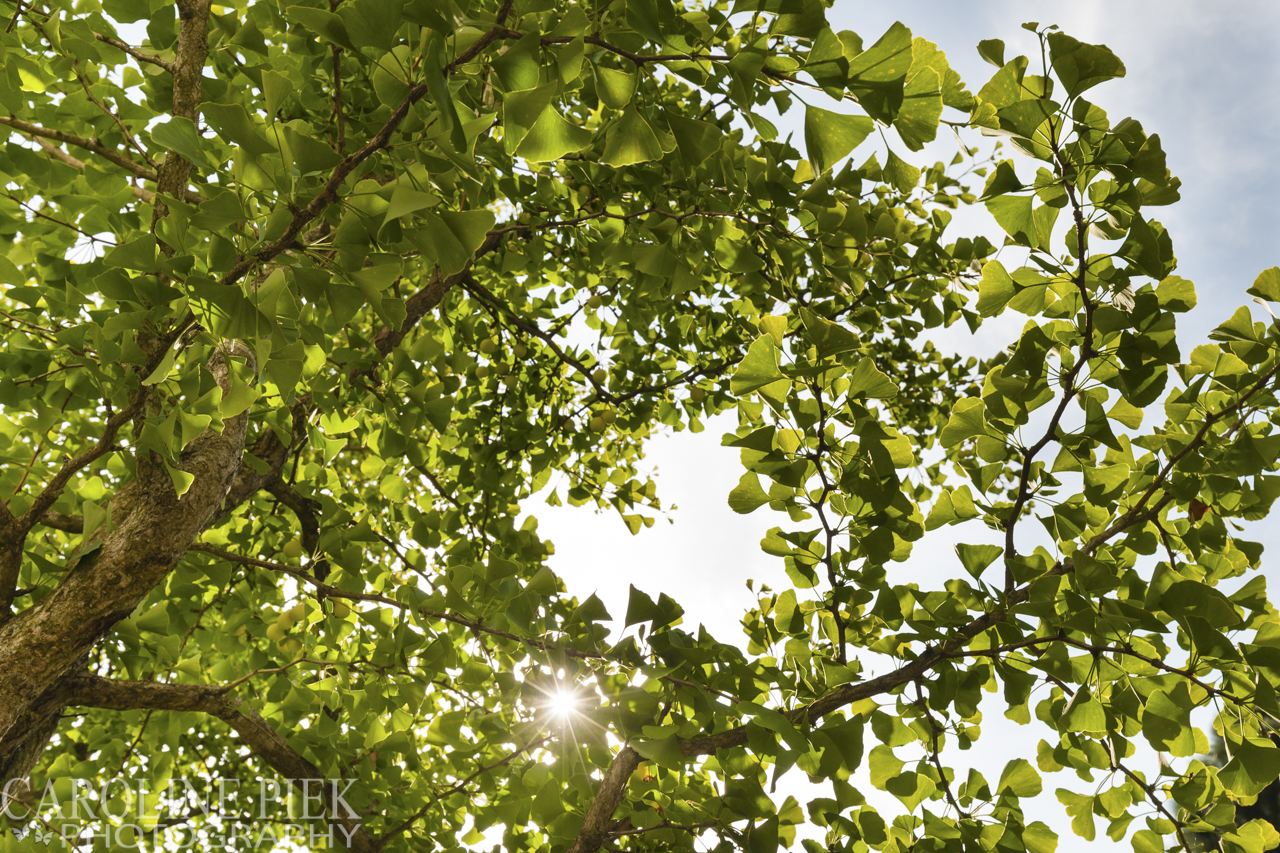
pixel 1205 77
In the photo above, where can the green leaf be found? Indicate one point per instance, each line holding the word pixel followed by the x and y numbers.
pixel 138 254
pixel 276 88
pixel 829 137
pixel 1084 713
pixel 1254 765
pixel 551 137
pixel 155 619
pixel 1177 294
pixel 1003 179
pixel 758 368
pixel 591 610
pixel 911 788
pixel 1080 808
pixel 992 51
pixel 1013 214
pixel 995 289
pixel 641 608
pixel 917 119
pixel 521 110
pixel 451 239
pixel 182 480
pixel 697 140
pixel 967 421
pixel 1004 88
pixel 830 339
pixel 884 765
pixel 951 507
pixel 406 200
pixel 665 752
pixel 327 25
pixel 239 397
pixel 94 516
pixel 372 23
pixel 1020 779
pixel 747 496
pixel 901 174
pixel 520 67
pixel 876 75
pixel 1082 66
pixel 179 135
pixel 1267 285
pixel 310 155
pixel 1166 722
pixel 629 140
pixel 615 88
pixel 163 369
pixel 650 18
pixel 1039 838
pixel 233 124
pixel 976 558
pixel 865 380
pixel 787 616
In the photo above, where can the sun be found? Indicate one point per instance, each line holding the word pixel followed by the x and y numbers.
pixel 563 704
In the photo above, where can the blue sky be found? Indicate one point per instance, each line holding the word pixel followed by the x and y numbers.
pixel 1204 75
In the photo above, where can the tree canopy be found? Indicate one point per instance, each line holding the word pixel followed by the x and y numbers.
pixel 303 300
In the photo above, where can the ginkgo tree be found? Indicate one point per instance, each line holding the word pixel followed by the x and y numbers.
pixel 303 300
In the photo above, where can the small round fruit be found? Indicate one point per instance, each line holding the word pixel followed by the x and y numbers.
pixel 488 346
pixel 297 611
pixel 598 424
pixel 608 416
pixel 482 371
pixel 292 549
pixel 600 376
pixel 286 622
pixel 502 368
pixel 595 301
pixel 290 646
pixel 697 395
pixel 340 608
pixel 275 632
pixel 520 350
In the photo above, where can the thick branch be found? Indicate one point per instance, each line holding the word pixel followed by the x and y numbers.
pixel 93 145
pixel 152 528
pixel 599 820
pixel 188 71
pixel 38 133
pixel 257 733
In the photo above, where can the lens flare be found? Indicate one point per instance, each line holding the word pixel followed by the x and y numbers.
pixel 563 704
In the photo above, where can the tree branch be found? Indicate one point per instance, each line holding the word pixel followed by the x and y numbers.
pixel 267 744
pixel 599 819
pixel 93 145
pixel 329 192
pixel 36 132
pixel 139 55
pixel 385 837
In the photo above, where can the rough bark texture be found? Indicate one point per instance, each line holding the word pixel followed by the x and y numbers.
pixel 599 820
pixel 188 71
pixel 153 529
